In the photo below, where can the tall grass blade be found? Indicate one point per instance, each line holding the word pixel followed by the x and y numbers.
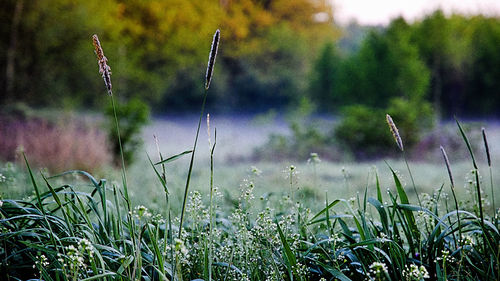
pixel 478 187
pixel 415 233
pixel 290 257
pixel 211 215
pixel 448 168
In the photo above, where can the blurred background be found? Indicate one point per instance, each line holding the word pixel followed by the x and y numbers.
pixel 292 77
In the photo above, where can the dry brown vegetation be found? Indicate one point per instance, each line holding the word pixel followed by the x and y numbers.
pixel 57 146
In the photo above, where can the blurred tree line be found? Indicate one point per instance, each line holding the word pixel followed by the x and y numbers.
pixel 452 62
pixel 157 50
pixel 273 54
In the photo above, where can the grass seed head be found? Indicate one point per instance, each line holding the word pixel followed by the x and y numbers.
pixel 394 131
pixel 104 68
pixel 486 147
pixel 448 167
pixel 211 59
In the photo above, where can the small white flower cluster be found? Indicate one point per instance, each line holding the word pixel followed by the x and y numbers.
pixel 427 201
pixel 244 277
pixel 446 257
pixel 265 227
pixel 423 219
pixel 471 189
pixel 335 238
pixel 341 258
pixel 467 240
pixel 415 273
pixel 313 158
pixel 378 271
pixel 2 178
pixel 382 235
pixel 84 246
pixel 400 176
pixel 141 212
pixel 196 209
pixel 158 219
pixel 246 195
pixel 180 248
pixel 272 275
pixel 41 262
pixel 75 258
pixel 255 171
pixel 291 173
pixel 300 270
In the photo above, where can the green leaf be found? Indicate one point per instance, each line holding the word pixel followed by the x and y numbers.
pixel 288 251
pixel 326 208
pixel 466 140
pixel 404 199
pixel 99 276
pixel 175 157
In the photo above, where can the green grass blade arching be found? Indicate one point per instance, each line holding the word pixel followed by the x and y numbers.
pixel 174 157
pixel 478 187
pixel 290 256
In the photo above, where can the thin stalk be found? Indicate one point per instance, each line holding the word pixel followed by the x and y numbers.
pixel 493 198
pixel 452 182
pixel 458 217
pixel 124 173
pixel 416 193
pixel 188 180
pixel 411 177
pixel 124 180
pixel 210 251
pixel 480 203
pixel 478 187
pixel 328 223
pixel 167 207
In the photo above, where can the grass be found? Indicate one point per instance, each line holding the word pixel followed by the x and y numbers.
pixel 276 222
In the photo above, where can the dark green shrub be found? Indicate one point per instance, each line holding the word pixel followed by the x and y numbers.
pixel 412 119
pixel 132 116
pixel 363 133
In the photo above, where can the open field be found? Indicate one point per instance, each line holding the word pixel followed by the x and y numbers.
pixel 276 220
pixel 237 137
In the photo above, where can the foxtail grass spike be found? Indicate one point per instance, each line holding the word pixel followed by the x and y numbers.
pixel 211 59
pixel 448 167
pixel 488 157
pixel 486 147
pixel 394 131
pixel 104 68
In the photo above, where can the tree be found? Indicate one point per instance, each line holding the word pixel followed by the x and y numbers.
pixel 483 83
pixel 386 66
pixel 323 77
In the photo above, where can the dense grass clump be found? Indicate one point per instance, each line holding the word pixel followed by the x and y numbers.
pixel 93 232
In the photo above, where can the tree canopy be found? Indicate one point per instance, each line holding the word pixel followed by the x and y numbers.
pixel 273 53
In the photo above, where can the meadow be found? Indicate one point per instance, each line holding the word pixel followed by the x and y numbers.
pixel 189 215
